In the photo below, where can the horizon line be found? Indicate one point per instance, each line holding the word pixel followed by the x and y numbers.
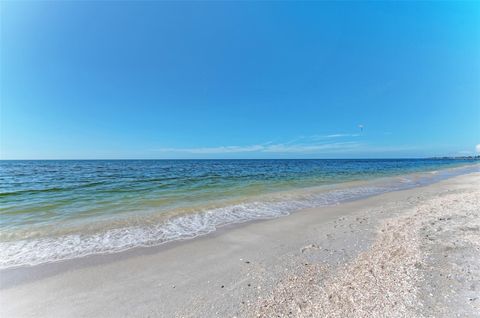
pixel 365 158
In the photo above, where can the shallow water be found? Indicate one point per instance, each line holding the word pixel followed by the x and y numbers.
pixel 53 210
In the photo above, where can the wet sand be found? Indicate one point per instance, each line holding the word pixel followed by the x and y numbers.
pixel 410 253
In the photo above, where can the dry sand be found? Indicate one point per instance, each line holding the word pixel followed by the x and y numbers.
pixel 413 253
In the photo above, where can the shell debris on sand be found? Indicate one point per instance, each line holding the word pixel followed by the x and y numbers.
pixel 388 279
pixel 310 246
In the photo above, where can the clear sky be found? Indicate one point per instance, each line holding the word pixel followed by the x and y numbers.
pixel 239 80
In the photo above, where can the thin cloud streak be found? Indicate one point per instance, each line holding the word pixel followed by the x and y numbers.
pixel 267 148
pixel 314 144
pixel 298 145
pixel 342 135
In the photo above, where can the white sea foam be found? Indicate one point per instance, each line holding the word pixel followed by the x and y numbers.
pixel 50 249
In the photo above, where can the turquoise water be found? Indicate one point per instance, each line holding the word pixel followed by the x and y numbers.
pixel 54 210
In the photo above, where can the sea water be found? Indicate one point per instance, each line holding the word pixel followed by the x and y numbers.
pixel 56 210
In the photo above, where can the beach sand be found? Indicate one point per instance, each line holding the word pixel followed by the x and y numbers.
pixel 413 253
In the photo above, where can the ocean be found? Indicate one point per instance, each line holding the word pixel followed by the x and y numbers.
pixel 57 210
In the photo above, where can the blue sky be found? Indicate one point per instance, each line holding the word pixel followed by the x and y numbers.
pixel 239 80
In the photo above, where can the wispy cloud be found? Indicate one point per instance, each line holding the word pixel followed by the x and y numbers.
pixel 299 145
pixel 342 135
pixel 214 150
pixel 272 148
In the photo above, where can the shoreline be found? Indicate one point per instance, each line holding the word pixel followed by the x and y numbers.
pixel 24 273
pixel 194 271
pixel 271 206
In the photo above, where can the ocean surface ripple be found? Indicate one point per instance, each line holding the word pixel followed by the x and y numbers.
pixel 57 210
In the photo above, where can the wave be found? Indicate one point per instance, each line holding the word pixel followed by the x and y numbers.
pixel 48 190
pixel 51 249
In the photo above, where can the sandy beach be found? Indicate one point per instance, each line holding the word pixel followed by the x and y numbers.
pixel 239 159
pixel 412 253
